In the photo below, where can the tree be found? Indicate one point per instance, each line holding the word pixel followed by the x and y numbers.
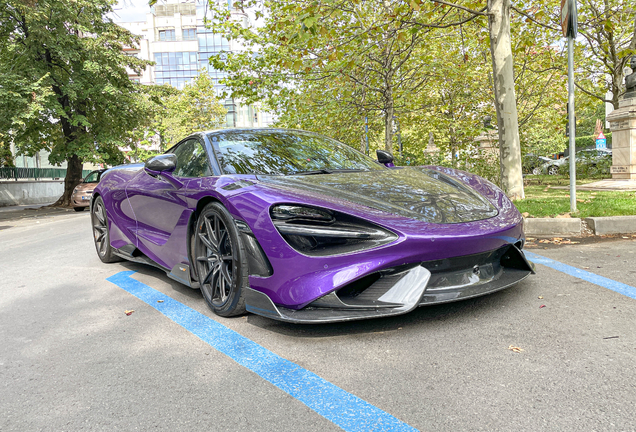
pixel 77 52
pixel 20 102
pixel 193 109
pixel 336 38
pixel 358 53
pixel 609 30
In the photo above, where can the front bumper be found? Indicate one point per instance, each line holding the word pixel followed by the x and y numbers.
pixel 81 200
pixel 398 291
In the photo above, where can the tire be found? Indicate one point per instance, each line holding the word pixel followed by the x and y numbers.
pixel 553 170
pixel 220 260
pixel 79 209
pixel 536 170
pixel 101 235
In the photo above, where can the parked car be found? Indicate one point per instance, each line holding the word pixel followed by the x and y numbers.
pixel 299 227
pixel 83 192
pixel 531 164
pixel 585 157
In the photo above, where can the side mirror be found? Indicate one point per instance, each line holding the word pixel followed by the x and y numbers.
pixel 384 157
pixel 161 163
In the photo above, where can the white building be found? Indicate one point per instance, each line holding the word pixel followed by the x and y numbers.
pixel 176 39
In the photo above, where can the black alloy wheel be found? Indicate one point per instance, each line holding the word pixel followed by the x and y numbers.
pixel 100 232
pixel 220 264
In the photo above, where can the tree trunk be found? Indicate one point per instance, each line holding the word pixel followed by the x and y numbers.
pixel 505 102
pixel 72 179
pixel 388 126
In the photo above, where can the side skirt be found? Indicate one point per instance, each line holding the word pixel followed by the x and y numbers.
pixel 179 273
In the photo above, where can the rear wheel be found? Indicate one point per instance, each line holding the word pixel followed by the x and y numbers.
pixel 553 170
pixel 100 232
pixel 220 261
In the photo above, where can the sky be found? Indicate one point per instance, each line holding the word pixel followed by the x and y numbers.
pixel 131 10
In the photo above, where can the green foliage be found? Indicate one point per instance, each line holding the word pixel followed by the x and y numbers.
pixel 77 53
pixel 195 108
pixel 587 169
pixel 609 40
pixel 6 157
pixel 84 106
pixel 582 142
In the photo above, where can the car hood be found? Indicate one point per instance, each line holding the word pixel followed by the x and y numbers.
pixel 83 187
pixel 418 193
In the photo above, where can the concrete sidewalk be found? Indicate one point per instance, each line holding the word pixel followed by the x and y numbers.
pixel 604 185
pixel 34 211
pixel 22 207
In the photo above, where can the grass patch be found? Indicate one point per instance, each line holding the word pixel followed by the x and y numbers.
pixel 544 201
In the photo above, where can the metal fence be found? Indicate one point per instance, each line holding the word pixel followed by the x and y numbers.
pixel 35 173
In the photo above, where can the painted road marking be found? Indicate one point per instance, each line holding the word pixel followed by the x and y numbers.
pixel 336 405
pixel 611 284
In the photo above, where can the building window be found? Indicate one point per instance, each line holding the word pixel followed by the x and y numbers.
pixel 176 68
pixel 167 35
pixel 189 34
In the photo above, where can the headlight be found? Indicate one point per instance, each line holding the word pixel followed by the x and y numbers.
pixel 322 232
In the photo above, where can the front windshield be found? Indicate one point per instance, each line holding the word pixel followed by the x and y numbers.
pixel 285 152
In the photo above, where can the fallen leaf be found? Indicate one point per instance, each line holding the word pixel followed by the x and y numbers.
pixel 544 241
pixel 625 237
pixel 540 297
pixel 515 349
pixel 159 301
pixel 586 268
pixel 580 200
pixel 525 214
pixel 129 312
pixel 557 239
pixel 541 307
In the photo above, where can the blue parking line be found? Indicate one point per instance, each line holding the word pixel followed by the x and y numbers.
pixel 336 405
pixel 611 284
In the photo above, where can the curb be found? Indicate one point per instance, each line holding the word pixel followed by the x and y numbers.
pixel 576 227
pixel 612 225
pixel 552 226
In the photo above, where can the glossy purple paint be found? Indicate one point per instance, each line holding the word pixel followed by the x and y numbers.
pixel 153 214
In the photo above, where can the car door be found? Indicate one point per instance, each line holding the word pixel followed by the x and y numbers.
pixel 160 204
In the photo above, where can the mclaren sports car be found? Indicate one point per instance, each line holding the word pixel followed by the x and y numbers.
pixel 298 227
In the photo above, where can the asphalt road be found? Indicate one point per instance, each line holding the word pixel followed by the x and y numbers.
pixel 71 360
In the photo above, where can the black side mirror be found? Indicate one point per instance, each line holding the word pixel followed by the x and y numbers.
pixel 384 157
pixel 161 163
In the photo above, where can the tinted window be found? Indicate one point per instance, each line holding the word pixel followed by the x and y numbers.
pixel 92 177
pixel 285 152
pixel 192 160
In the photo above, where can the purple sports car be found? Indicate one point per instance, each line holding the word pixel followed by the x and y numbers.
pixel 298 227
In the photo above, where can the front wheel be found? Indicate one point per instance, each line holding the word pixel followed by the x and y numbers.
pixel 100 232
pixel 553 170
pixel 220 261
pixel 536 170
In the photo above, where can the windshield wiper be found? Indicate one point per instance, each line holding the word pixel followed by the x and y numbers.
pixel 328 171
pixel 346 170
pixel 320 171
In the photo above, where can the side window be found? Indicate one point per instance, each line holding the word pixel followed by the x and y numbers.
pixel 92 177
pixel 192 160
